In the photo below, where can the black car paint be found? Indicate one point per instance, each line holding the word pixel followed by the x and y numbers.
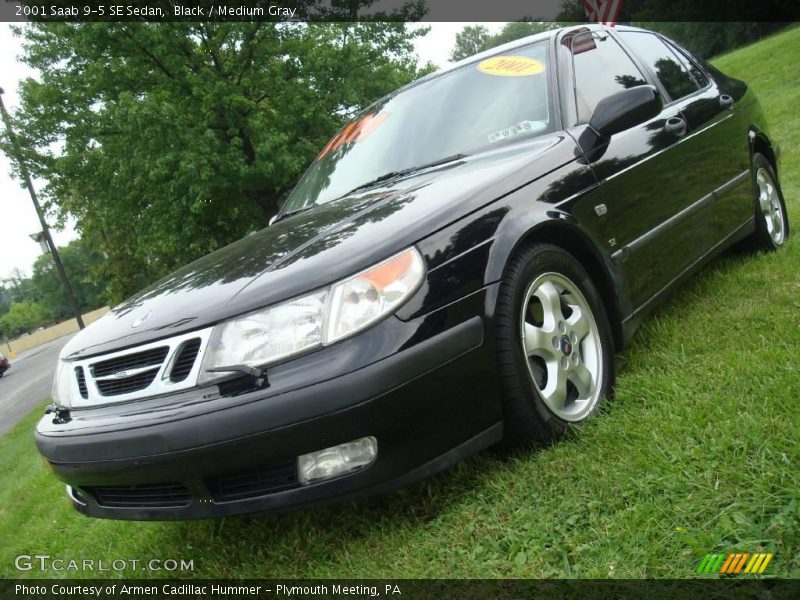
pixel 664 219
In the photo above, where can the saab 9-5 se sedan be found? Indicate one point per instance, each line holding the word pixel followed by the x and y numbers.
pixel 456 268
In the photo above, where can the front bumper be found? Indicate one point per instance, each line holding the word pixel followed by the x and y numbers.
pixel 429 405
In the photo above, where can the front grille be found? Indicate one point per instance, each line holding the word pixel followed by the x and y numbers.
pixel 185 361
pixel 81 377
pixel 126 385
pixel 110 377
pixel 163 367
pixel 252 484
pixel 159 495
pixel 138 360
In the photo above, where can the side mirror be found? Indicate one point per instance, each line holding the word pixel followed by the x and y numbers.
pixel 626 109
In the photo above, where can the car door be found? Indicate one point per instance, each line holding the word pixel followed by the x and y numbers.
pixel 637 213
pixel 718 109
pixel 713 148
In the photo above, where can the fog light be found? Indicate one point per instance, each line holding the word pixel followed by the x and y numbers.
pixel 337 460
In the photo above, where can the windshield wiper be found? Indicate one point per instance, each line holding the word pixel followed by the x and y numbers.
pixel 391 175
pixel 281 217
pixel 259 376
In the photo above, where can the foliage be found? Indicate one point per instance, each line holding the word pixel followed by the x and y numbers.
pixel 22 317
pixel 80 263
pixel 14 288
pixel 167 141
pixel 470 40
pixel 30 302
pixel 476 38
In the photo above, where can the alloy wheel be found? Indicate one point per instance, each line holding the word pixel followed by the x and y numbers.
pixel 770 204
pixel 561 341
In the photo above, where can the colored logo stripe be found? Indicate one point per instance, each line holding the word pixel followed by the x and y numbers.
pixel 734 563
pixel 711 563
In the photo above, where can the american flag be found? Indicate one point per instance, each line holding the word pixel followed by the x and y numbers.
pixel 602 11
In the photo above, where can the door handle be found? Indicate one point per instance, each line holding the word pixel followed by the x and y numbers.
pixel 676 126
pixel 725 101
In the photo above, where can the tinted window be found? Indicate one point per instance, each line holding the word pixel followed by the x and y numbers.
pixel 671 71
pixel 498 100
pixel 601 68
pixel 690 63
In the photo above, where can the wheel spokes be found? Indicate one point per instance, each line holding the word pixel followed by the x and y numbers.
pixel 578 323
pixel 555 392
pixel 777 217
pixel 550 297
pixel 583 381
pixel 538 342
pixel 770 205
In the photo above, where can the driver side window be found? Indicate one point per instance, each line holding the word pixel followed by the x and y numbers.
pixel 601 67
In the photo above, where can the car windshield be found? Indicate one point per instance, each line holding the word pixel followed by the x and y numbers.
pixel 479 105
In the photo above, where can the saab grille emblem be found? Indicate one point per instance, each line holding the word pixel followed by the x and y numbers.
pixel 141 319
pixel 120 374
pixel 600 210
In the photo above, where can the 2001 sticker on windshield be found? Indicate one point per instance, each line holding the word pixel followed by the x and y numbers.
pixel 511 66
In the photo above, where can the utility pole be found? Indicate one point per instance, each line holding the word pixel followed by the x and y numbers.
pixel 45 229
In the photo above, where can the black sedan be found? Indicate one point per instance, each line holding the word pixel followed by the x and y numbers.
pixel 456 268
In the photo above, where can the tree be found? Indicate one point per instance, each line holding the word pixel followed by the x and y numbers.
pixel 520 29
pixel 22 317
pixel 80 263
pixel 17 288
pixel 470 40
pixel 167 141
pixel 476 38
pixel 5 300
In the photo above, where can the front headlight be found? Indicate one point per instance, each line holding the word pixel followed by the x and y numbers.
pixel 266 336
pixel 323 317
pixel 62 384
pixel 358 302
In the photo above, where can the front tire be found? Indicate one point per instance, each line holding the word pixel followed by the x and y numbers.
pixel 554 343
pixel 772 223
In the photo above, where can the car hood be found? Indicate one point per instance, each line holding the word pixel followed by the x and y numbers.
pixel 315 248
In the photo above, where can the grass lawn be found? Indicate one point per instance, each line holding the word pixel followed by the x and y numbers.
pixel 700 451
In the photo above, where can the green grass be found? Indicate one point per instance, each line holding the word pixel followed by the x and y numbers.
pixel 700 451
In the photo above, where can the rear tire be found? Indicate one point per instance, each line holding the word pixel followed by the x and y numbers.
pixel 554 345
pixel 772 223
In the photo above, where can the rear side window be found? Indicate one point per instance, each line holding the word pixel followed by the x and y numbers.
pixel 601 68
pixel 662 60
pixel 690 63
